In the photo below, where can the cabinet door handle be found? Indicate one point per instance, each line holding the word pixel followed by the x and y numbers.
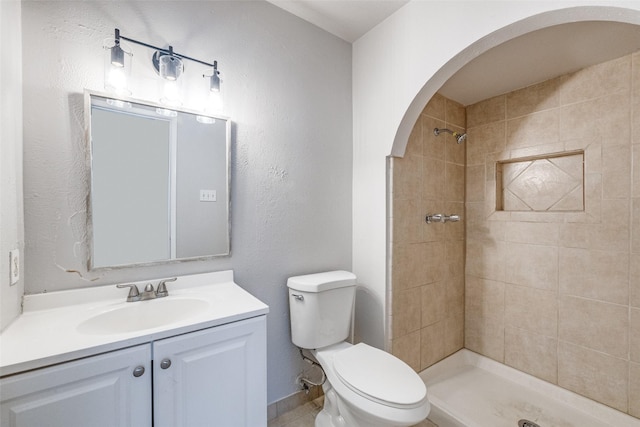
pixel 165 363
pixel 138 371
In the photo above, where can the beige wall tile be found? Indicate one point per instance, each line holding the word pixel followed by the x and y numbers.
pixel 407 176
pixel 533 310
pixel 593 374
pixel 634 335
pixel 432 145
pixel 590 245
pixel 453 332
pixel 634 389
pixel 433 261
pixel 454 182
pixel 490 110
pixel 407 221
pixel 431 344
pixel 414 145
pixel 541 128
pixel 595 274
pixel 635 72
pixel 454 152
pixel 455 114
pixel 407 349
pixel 634 279
pixel 409 267
pixel 435 107
pixel 487 138
pixel 616 169
pixel 433 300
pixel 593 196
pixel 484 298
pixel 539 233
pixel 534 98
pixel 455 294
pixel 611 234
pixel 479 228
pixel 532 265
pixel 430 233
pixel 635 225
pixel 406 311
pixel 484 335
pixel 597 81
pixel 635 181
pixel 596 118
pixel 454 231
pixel 433 179
pixel 475 182
pixel 543 184
pixel 531 353
pixel 596 325
pixel 454 258
pixel 635 115
pixel 536 150
pixel 485 259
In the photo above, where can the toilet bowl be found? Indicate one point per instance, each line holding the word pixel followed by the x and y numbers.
pixel 364 386
pixel 370 388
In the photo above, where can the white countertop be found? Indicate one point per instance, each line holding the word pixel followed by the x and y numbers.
pixel 47 333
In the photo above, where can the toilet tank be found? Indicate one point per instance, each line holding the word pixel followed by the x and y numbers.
pixel 321 306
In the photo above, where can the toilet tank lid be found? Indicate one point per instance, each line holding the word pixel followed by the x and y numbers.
pixel 319 282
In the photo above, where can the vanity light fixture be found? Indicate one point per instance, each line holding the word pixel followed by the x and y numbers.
pixel 168 64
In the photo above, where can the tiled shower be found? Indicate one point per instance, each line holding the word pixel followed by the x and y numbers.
pixel 543 271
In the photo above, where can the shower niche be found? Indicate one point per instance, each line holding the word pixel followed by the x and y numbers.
pixel 546 183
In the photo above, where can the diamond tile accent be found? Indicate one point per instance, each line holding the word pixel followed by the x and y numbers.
pixel 551 183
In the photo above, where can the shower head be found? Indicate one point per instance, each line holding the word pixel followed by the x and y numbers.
pixel 460 137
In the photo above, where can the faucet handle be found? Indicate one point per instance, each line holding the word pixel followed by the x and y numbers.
pixel 134 293
pixel 162 287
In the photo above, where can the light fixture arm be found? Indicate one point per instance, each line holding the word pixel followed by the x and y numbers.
pixel 168 51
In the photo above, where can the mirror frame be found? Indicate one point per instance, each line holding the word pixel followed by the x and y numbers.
pixel 88 94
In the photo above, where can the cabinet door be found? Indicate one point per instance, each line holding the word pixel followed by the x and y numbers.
pixel 217 377
pixel 96 391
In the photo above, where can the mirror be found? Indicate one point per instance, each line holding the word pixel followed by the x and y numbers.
pixel 159 183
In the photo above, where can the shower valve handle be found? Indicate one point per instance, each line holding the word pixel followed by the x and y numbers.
pixel 435 218
pixel 431 218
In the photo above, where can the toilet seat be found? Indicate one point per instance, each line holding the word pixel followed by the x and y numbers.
pixel 378 376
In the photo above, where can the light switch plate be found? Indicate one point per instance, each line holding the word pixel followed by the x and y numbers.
pixel 14 265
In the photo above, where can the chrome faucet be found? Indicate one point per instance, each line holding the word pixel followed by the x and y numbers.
pixel 149 292
pixel 162 287
pixel 134 293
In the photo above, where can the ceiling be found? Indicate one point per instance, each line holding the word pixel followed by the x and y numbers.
pixel 520 62
pixel 347 19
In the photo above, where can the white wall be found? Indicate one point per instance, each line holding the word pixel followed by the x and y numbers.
pixel 288 90
pixel 11 217
pixel 397 67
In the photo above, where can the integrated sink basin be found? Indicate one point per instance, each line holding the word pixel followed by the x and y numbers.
pixel 141 315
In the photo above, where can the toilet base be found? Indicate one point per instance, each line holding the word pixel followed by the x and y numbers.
pixel 336 413
pixel 323 419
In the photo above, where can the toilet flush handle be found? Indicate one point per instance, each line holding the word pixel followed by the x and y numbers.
pixel 298 297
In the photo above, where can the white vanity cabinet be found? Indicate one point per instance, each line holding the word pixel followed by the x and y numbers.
pixel 96 391
pixel 69 359
pixel 212 377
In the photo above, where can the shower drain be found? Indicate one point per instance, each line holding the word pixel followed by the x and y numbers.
pixel 527 423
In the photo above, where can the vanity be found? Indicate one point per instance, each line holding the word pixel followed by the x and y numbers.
pixel 89 358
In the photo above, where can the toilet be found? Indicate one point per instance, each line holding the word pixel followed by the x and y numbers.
pixel 364 386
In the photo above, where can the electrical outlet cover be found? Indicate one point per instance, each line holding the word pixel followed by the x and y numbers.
pixel 14 266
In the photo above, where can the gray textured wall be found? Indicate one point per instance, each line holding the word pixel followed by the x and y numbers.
pixel 11 213
pixel 288 90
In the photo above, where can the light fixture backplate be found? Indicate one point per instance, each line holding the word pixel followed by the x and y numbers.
pixel 155 59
